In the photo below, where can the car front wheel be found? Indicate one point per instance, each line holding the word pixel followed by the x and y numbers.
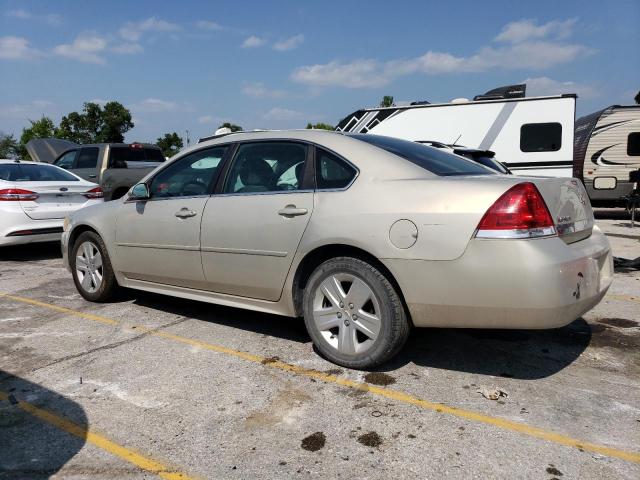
pixel 353 314
pixel 91 268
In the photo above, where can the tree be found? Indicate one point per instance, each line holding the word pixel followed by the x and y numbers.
pixel 232 126
pixel 96 124
pixel 43 128
pixel 170 144
pixel 8 146
pixel 387 101
pixel 320 126
pixel 637 98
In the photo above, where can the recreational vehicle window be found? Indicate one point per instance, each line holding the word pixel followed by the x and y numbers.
pixel 633 144
pixel 540 137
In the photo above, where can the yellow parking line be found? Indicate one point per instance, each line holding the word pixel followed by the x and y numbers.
pixel 626 298
pixel 99 441
pixel 383 392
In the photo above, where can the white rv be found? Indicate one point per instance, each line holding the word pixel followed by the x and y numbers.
pixel 606 150
pixel 531 135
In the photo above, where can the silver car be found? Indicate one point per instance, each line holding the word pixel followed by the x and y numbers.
pixel 364 236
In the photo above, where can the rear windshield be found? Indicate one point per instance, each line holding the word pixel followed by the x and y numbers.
pixel 491 163
pixel 432 159
pixel 128 154
pixel 28 172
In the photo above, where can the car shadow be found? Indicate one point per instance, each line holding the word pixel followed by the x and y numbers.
pixel 31 251
pixel 287 328
pixel 30 447
pixel 522 354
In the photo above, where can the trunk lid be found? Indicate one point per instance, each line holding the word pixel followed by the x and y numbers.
pixel 54 201
pixel 46 150
pixel 569 205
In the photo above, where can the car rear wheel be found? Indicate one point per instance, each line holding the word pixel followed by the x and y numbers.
pixel 353 314
pixel 91 268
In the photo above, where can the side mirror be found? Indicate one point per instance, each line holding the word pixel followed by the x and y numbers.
pixel 140 192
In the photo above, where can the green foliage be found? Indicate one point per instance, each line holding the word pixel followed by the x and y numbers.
pixel 320 126
pixel 387 101
pixel 8 146
pixel 637 97
pixel 43 128
pixel 232 126
pixel 170 144
pixel 96 124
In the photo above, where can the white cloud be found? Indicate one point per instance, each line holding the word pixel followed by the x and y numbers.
pixel 253 42
pixel 522 53
pixel 278 113
pixel 85 48
pixel 132 31
pixel 208 25
pixel 289 43
pixel 546 86
pixel 127 48
pixel 523 30
pixel 17 48
pixel 258 90
pixel 31 110
pixel 52 19
pixel 154 105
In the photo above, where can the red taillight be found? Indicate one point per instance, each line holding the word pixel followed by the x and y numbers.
pixel 519 213
pixel 94 193
pixel 136 145
pixel 17 195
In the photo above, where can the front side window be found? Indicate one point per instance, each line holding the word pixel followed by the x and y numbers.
pixel 88 158
pixel 66 160
pixel 633 144
pixel 28 172
pixel 540 137
pixel 331 171
pixel 267 167
pixel 431 159
pixel 189 176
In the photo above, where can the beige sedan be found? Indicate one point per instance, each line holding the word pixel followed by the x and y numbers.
pixel 365 236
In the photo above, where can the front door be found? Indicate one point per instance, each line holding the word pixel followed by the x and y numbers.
pixel 158 240
pixel 251 231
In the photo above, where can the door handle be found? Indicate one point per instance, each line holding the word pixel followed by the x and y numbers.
pixel 185 213
pixel 92 176
pixel 292 211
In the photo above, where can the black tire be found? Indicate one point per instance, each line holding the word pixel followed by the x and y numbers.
pixel 394 324
pixel 109 285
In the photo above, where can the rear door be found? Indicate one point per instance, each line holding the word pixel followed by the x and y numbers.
pixel 158 240
pixel 86 163
pixel 251 230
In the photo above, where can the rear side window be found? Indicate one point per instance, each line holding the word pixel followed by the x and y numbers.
pixel 27 172
pixel 633 144
pixel 431 159
pixel 88 158
pixel 66 160
pixel 540 137
pixel 154 155
pixel 331 171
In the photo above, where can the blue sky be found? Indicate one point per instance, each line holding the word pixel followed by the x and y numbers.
pixel 191 65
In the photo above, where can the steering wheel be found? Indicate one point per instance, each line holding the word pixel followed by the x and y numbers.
pixel 198 183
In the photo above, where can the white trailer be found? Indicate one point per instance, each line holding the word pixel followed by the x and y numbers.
pixel 606 150
pixel 531 135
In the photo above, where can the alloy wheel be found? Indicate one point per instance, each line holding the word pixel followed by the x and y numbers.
pixel 347 313
pixel 89 267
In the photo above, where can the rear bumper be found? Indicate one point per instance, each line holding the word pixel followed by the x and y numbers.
pixel 531 284
pixel 14 224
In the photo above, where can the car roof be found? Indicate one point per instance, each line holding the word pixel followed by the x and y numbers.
pixel 8 160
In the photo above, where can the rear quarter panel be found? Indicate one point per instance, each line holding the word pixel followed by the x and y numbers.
pixel 445 211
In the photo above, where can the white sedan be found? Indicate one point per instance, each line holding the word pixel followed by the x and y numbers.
pixel 35 198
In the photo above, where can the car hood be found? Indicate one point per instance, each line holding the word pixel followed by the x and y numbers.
pixel 46 150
